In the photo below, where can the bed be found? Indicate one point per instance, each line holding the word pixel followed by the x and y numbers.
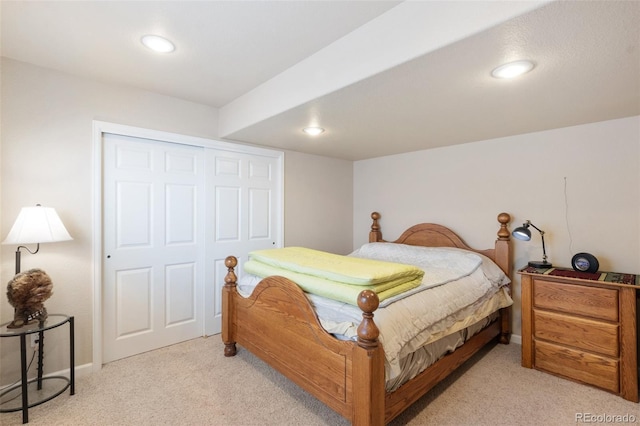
pixel 278 323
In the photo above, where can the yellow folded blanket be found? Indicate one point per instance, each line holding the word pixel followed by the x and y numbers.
pixel 344 269
pixel 334 290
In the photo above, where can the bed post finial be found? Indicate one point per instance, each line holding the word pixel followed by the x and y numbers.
pixel 375 235
pixel 230 262
pixel 368 330
pixel 503 232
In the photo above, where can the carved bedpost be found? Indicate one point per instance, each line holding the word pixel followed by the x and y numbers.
pixel 368 367
pixel 368 330
pixel 502 246
pixel 228 331
pixel 375 235
pixel 503 259
pixel 503 232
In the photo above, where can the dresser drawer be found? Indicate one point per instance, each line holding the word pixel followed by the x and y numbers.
pixel 582 333
pixel 594 302
pixel 577 365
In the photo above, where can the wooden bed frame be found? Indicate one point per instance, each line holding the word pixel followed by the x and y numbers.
pixel 277 324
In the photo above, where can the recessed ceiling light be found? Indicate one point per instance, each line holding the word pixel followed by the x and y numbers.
pixel 313 131
pixel 512 69
pixel 158 44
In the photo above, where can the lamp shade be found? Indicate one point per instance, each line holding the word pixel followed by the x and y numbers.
pixel 522 233
pixel 37 225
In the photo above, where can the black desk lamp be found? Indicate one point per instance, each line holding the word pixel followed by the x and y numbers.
pixel 523 233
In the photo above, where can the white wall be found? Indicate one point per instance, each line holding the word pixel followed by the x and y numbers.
pixel 323 180
pixel 466 186
pixel 46 158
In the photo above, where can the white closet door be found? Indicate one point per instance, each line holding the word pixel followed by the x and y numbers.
pixel 153 244
pixel 244 198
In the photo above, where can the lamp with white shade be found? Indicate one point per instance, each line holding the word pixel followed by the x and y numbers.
pixel 36 225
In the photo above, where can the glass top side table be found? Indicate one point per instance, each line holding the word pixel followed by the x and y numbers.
pixel 43 389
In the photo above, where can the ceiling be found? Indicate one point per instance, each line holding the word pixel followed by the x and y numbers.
pixel 382 77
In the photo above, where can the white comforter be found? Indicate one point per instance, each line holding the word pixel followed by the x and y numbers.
pixel 433 312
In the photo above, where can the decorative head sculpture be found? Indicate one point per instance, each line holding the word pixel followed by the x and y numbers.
pixel 27 292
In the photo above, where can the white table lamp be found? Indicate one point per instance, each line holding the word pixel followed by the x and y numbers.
pixel 36 225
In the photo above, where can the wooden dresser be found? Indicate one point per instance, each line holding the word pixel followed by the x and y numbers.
pixel 582 327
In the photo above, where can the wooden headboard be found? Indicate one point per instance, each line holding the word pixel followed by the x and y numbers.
pixel 434 235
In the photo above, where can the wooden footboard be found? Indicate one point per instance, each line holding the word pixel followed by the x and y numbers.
pixel 278 324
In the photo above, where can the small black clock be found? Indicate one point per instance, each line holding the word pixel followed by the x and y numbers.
pixel 585 262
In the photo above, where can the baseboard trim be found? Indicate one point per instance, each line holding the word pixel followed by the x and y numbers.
pixel 84 370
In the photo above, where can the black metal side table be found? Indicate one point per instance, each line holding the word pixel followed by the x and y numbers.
pixel 43 388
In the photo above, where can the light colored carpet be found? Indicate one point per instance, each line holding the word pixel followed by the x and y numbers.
pixel 192 383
